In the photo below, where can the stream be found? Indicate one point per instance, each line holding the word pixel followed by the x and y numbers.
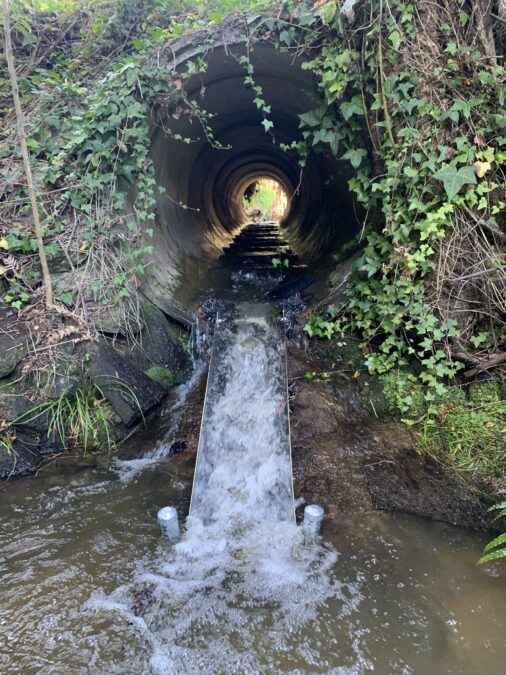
pixel 89 586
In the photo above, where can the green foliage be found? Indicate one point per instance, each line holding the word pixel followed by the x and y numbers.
pixel 258 93
pixel 463 427
pixel 278 263
pixel 262 198
pixel 404 395
pixel 470 437
pixel 16 298
pixel 323 325
pixel 83 419
pixel 374 113
pixel 90 145
pixel 496 548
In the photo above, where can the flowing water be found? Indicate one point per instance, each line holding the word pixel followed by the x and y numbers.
pixel 88 585
pixel 244 467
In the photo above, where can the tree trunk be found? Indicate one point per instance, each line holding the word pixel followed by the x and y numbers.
pixel 24 151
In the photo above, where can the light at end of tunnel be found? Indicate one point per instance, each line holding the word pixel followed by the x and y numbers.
pixel 265 199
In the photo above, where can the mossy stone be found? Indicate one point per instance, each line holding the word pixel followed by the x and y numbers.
pixel 167 378
pixel 11 353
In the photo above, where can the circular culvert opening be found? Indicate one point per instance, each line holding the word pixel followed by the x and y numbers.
pixel 202 183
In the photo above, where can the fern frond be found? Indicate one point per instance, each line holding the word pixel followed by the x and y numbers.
pixel 495 555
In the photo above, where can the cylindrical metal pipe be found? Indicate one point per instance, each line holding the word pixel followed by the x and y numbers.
pixel 169 523
pixel 313 516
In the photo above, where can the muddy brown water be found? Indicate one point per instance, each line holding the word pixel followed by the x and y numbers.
pixel 82 564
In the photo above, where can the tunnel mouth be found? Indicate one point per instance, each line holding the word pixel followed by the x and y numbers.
pixel 265 198
pixel 206 161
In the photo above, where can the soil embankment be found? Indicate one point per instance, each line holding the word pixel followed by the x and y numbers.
pixel 348 460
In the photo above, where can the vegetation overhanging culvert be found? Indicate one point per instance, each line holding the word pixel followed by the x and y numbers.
pixel 383 121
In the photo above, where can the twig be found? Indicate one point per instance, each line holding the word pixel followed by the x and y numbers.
pixel 478 274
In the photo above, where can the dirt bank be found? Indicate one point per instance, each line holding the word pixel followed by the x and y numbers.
pixel 347 459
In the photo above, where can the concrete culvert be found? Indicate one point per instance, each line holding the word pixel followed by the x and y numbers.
pixel 201 208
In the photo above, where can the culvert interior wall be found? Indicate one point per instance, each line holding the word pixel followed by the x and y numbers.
pixel 201 210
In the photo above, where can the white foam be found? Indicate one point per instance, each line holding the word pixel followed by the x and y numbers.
pixel 243 461
pixel 230 592
pixel 244 583
pixel 128 469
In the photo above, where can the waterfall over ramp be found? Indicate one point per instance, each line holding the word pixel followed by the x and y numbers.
pixel 244 467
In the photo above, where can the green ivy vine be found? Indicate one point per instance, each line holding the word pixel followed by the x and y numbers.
pixel 374 113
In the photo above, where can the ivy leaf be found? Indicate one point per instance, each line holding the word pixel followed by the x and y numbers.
pixel 311 119
pixel 285 37
pixel 353 107
pixel 355 156
pixel 347 9
pixel 454 179
pixel 32 144
pixel 481 168
pixel 395 39
pixel 51 249
pixel 325 9
pixel 29 39
pixel 131 76
pixel 328 12
pixel 465 107
pixel 66 298
pixel 267 124
pixel 4 244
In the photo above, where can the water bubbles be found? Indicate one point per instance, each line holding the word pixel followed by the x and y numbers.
pixel 233 591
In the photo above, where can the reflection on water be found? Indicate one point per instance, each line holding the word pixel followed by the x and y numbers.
pixel 89 586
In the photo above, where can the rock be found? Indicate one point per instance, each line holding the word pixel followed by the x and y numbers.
pixel 401 480
pixel 21 461
pixel 129 391
pixel 29 447
pixel 12 403
pixel 12 350
pixel 64 376
pixel 160 343
pixel 111 319
pixel 167 378
pixel 315 412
